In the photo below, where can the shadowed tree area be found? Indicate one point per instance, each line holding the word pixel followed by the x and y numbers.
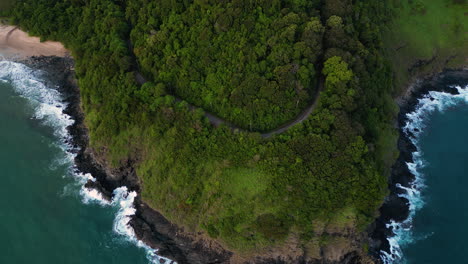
pixel 253 64
pixel 5 6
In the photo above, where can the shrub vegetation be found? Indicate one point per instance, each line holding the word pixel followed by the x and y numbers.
pixel 255 64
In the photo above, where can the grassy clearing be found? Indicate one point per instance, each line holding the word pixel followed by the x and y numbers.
pixel 432 31
pixel 245 182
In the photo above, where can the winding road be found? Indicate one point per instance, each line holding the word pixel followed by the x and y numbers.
pixel 217 121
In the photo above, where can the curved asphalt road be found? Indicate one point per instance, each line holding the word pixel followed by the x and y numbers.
pixel 216 121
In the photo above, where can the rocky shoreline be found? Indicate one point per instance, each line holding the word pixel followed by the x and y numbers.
pixel 150 226
pixel 183 247
pixel 396 208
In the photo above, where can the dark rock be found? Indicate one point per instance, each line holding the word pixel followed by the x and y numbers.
pixel 396 208
pixel 184 247
pixel 149 225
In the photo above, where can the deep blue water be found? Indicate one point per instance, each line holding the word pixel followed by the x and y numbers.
pixel 440 227
pixel 436 229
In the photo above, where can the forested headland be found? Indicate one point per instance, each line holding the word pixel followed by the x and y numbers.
pixel 256 64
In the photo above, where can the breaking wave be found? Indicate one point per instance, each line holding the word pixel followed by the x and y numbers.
pixel 48 105
pixel 414 127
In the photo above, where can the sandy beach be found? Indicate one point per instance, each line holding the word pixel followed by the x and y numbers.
pixel 15 43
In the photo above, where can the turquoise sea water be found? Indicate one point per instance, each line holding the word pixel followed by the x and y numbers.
pixel 436 229
pixel 46 216
pixel 440 227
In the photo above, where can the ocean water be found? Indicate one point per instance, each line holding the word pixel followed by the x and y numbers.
pixel 436 229
pixel 46 215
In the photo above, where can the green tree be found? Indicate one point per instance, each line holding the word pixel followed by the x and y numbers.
pixel 336 71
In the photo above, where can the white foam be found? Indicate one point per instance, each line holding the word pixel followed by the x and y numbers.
pixel 48 105
pixel 125 200
pixel 90 195
pixel 414 127
pixel 47 102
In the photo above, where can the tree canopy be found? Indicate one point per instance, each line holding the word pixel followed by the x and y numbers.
pixel 256 64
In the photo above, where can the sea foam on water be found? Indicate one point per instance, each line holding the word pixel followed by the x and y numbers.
pixel 49 106
pixel 414 127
